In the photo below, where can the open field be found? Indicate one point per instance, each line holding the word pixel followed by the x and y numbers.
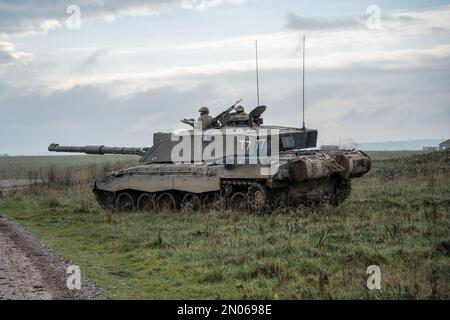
pixel 41 169
pixel 13 165
pixel 387 155
pixel 24 166
pixel 398 217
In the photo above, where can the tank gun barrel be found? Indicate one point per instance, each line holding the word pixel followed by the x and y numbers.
pixel 98 150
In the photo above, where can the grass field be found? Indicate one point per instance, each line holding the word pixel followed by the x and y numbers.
pixel 24 166
pixel 398 217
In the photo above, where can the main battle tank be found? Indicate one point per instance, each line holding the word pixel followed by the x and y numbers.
pixel 239 165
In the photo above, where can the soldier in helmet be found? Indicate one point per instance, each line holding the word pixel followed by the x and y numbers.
pixel 240 114
pixel 205 118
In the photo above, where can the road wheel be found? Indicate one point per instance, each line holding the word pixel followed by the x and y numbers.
pixel 125 202
pixel 239 202
pixel 146 203
pixel 212 200
pixel 258 196
pixel 167 202
pixel 191 203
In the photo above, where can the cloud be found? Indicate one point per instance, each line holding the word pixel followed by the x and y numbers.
pixel 22 17
pixel 91 60
pixel 361 102
pixel 122 84
pixel 129 70
pixel 297 22
pixel 408 22
pixel 10 55
pixel 87 115
pixel 365 85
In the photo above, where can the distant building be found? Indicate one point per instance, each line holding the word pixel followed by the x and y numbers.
pixel 430 149
pixel 445 145
pixel 329 148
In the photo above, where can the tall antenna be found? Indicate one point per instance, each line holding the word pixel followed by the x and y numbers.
pixel 303 84
pixel 257 73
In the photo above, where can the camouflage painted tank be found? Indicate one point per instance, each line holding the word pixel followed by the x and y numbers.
pixel 235 162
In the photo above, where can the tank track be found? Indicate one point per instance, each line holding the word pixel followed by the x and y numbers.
pixel 343 189
pixel 236 195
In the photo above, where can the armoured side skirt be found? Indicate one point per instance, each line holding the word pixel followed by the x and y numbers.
pixel 159 183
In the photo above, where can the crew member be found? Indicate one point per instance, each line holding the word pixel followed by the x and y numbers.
pixel 205 118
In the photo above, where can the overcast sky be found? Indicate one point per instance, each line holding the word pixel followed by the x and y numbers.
pixel 128 69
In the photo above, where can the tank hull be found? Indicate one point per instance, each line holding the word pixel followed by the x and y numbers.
pixel 308 178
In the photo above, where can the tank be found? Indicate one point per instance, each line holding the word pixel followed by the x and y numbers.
pixel 235 163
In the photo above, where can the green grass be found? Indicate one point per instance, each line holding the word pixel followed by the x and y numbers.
pixel 388 155
pixel 15 167
pixel 397 217
pixel 22 166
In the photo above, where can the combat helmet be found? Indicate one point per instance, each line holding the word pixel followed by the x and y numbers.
pixel 240 109
pixel 204 110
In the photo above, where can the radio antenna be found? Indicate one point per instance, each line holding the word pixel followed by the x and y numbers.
pixel 303 84
pixel 257 73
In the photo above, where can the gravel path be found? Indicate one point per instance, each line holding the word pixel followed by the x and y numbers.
pixel 8 185
pixel 29 270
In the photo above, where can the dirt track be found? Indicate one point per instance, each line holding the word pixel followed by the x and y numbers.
pixel 11 184
pixel 29 270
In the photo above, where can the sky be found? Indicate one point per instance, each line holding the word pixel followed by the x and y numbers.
pixel 114 72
